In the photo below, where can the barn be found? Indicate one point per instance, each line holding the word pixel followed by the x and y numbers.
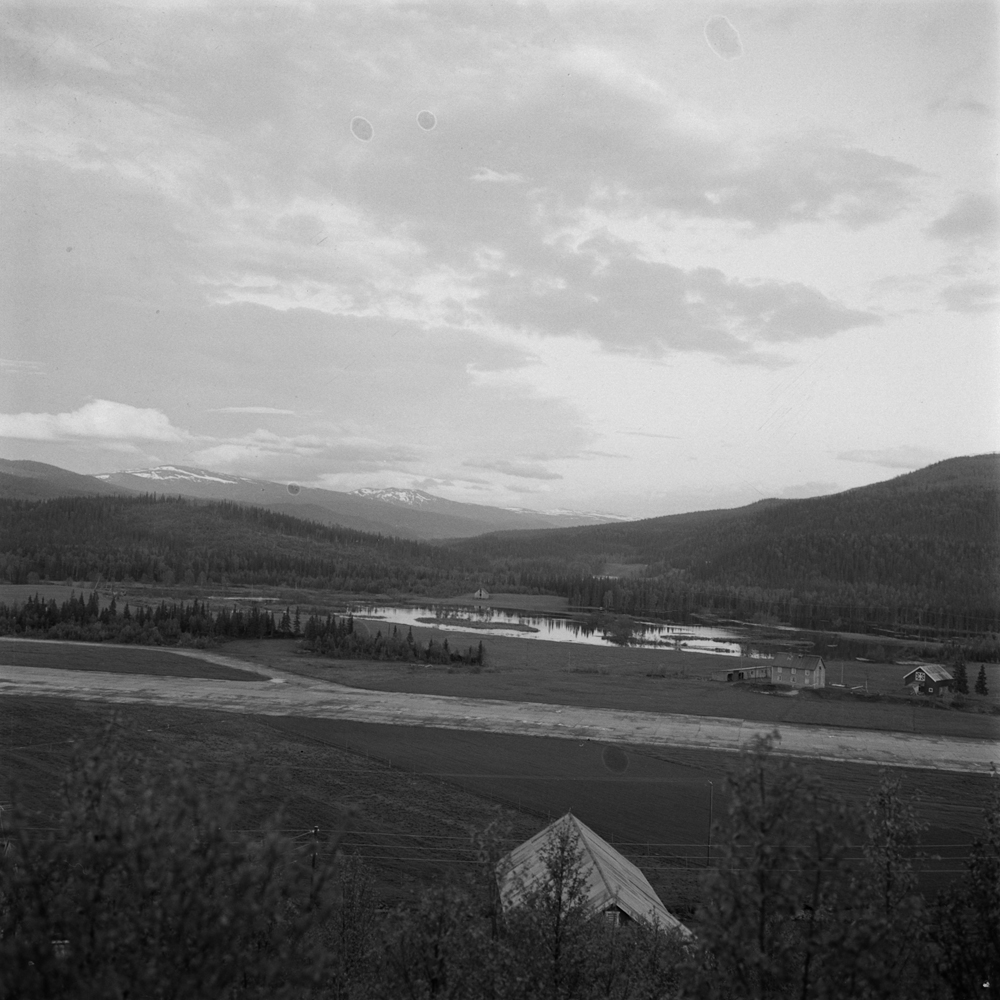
pixel 929 678
pixel 613 886
pixel 482 594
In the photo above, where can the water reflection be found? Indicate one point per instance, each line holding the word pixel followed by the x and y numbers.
pixel 486 621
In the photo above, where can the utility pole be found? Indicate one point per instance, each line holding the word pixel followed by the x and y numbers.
pixel 711 803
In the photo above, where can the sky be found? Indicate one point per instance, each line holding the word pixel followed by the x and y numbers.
pixel 638 258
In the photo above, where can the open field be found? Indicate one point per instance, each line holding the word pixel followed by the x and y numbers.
pixel 657 808
pixel 283 693
pixel 107 658
pixel 648 680
pixel 417 793
pixel 415 831
pixel 18 593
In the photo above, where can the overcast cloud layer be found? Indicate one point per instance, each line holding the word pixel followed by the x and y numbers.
pixel 638 257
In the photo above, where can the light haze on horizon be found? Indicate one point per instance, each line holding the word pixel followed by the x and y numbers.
pixel 639 258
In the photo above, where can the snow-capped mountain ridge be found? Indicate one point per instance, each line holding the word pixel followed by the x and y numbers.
pixel 399 511
pixel 396 495
pixel 163 473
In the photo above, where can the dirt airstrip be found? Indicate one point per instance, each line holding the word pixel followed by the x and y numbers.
pixel 279 693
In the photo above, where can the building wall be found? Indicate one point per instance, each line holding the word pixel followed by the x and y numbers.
pixel 799 677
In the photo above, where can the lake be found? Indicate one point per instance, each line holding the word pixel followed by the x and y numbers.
pixel 485 621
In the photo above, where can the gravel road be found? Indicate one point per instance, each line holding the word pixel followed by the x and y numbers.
pixel 283 694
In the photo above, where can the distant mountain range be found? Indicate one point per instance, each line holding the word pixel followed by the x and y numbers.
pixel 403 512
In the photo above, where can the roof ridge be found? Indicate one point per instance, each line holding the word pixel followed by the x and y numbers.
pixel 582 831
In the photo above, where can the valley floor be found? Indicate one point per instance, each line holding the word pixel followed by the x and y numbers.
pixel 282 693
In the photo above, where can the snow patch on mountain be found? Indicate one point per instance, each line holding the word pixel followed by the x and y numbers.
pixel 163 473
pixel 412 498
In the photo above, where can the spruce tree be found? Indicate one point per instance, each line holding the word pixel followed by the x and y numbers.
pixel 961 676
pixel 981 687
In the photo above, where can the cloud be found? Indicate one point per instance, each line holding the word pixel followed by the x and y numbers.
pixel 601 289
pixel 900 457
pixel 100 419
pixel 522 470
pixel 261 410
pixel 774 311
pixel 14 367
pixel 484 174
pixel 972 218
pixel 651 434
pixel 305 453
pixel 972 296
pixel 809 178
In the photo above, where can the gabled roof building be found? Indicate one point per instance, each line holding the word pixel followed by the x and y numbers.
pixel 787 669
pixel 612 885
pixel 929 678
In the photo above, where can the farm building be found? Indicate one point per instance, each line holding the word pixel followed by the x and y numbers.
pixel 612 886
pixel 745 672
pixel 482 594
pixel 797 670
pixel 929 678
pixel 788 669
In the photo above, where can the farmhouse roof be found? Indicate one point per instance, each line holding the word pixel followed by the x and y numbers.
pixel 933 671
pixel 802 661
pixel 610 880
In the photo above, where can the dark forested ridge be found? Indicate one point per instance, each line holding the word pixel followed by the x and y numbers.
pixel 921 550
pixel 173 541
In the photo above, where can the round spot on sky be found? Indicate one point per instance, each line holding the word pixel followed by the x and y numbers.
pixel 362 129
pixel 723 39
pixel 426 120
pixel 615 760
pixel 294 489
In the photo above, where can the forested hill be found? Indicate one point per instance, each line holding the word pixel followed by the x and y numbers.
pixel 921 549
pixel 174 541
pixel 918 553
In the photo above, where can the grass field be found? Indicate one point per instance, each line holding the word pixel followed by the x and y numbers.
pixel 647 680
pixel 18 593
pixel 115 660
pixel 417 793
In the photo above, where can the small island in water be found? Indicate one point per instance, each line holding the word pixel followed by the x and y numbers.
pixel 466 623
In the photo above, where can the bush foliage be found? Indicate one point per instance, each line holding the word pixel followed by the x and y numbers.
pixel 150 887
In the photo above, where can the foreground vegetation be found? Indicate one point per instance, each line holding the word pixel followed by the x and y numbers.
pixel 152 888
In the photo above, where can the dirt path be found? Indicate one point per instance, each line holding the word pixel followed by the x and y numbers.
pixel 280 693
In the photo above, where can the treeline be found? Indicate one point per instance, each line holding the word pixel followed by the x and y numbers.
pixel 173 624
pixel 195 624
pixel 160 890
pixel 339 639
pixel 168 541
